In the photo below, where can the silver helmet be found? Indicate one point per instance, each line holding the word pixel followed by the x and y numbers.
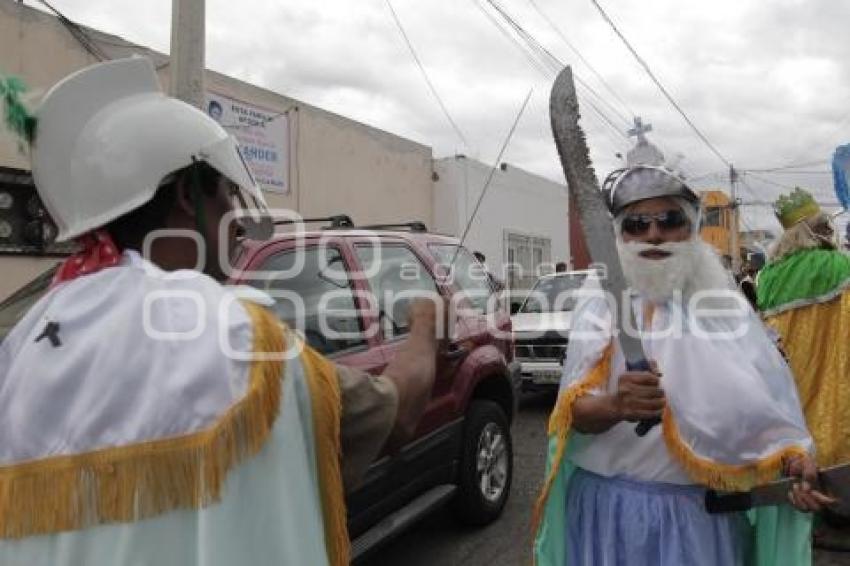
pixel 632 184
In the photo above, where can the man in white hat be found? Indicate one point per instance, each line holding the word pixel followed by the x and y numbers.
pixel 730 414
pixel 149 415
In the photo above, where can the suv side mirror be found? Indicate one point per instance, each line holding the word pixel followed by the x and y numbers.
pixel 515 307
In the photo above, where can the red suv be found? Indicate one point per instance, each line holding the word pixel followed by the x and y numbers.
pixel 346 290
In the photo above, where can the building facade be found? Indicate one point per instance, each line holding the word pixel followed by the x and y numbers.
pixel 521 225
pixel 332 164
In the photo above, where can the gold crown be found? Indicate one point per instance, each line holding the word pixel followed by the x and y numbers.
pixel 793 208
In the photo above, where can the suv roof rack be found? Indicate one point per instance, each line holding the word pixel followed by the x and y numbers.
pixel 415 226
pixel 336 221
pixel 344 221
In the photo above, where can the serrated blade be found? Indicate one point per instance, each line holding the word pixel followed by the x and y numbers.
pixel 593 213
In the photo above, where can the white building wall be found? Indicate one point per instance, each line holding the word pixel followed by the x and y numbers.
pixel 516 201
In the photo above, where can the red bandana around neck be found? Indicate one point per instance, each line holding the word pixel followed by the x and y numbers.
pixel 99 252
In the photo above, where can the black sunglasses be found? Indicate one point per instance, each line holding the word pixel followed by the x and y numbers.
pixel 638 224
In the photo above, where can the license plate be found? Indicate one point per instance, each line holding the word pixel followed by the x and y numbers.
pixel 547 376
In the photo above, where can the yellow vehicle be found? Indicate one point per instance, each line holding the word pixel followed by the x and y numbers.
pixel 717 220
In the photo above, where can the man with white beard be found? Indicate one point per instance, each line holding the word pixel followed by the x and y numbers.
pixel 731 418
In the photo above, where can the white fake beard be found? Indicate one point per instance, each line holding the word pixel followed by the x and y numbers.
pixel 693 266
pixel 658 279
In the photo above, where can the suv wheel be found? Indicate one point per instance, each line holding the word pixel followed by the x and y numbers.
pixel 486 465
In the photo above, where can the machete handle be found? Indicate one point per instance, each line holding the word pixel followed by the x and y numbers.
pixel 728 502
pixel 645 425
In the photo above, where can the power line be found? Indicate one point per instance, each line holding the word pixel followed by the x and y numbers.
pixel 770 203
pixel 531 42
pixel 660 86
pixel 534 62
pixel 546 64
pixel 607 120
pixel 757 202
pixel 790 172
pixel 537 50
pixel 749 188
pixel 92 44
pixel 492 172
pixel 789 169
pixel 581 57
pixel 553 61
pixel 78 32
pixel 543 55
pixel 770 181
pixel 445 110
pixel 749 203
pixel 717 174
pixel 747 226
pixel 791 166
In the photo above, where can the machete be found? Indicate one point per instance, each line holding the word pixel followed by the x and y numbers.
pixel 595 218
pixel 833 481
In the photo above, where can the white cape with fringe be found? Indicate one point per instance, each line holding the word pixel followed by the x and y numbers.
pixel 109 383
pixel 732 395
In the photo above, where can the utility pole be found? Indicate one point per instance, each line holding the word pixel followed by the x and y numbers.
pixel 187 50
pixel 735 252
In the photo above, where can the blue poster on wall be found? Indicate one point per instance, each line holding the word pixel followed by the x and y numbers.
pixel 841 174
pixel 263 137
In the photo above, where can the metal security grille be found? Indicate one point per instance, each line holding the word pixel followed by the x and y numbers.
pixel 525 255
pixel 550 347
pixel 25 227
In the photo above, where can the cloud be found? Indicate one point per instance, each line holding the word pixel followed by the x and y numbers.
pixel 766 82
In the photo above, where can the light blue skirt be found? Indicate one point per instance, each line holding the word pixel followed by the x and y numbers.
pixel 622 522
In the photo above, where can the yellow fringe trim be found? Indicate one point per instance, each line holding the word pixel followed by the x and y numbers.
pixel 726 477
pixel 326 400
pixel 561 421
pixel 716 475
pixel 130 483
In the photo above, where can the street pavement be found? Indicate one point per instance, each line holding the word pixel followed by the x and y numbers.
pixel 440 541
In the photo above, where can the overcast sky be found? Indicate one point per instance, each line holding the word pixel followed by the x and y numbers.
pixel 768 83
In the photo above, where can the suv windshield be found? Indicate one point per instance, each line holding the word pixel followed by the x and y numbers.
pixel 553 293
pixel 313 295
pixel 471 276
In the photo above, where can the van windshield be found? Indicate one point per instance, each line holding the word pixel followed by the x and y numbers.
pixel 551 294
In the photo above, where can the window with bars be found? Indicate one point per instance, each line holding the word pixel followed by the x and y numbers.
pixel 713 216
pixel 25 227
pixel 526 255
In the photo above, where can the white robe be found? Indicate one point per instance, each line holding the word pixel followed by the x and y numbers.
pixel 110 383
pixel 732 394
